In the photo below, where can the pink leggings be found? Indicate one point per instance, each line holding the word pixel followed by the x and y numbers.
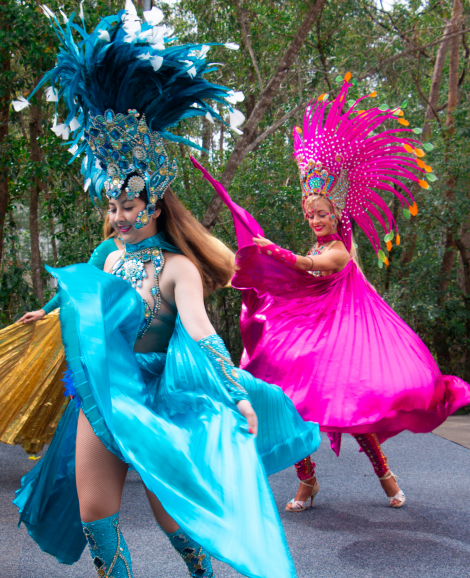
pixel 369 444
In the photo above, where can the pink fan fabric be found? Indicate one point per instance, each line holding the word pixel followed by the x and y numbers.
pixel 342 355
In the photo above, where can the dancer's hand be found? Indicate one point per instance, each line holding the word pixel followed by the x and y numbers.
pixel 32 316
pixel 247 411
pixel 261 241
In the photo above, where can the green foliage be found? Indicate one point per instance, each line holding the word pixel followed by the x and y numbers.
pixel 356 36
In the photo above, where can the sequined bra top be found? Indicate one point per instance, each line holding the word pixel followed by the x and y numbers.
pixel 131 268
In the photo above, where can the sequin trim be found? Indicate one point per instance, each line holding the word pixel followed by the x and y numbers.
pixel 217 352
pixel 371 447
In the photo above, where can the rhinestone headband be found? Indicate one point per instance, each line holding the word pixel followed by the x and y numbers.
pixel 124 144
pixel 316 179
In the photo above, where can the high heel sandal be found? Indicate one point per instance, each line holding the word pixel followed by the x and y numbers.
pixel 400 496
pixel 298 505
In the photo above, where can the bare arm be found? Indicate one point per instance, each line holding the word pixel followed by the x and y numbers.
pixel 189 298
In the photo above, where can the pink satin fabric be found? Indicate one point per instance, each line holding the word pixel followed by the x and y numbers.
pixel 343 356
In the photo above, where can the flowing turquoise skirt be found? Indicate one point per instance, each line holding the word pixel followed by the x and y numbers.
pixel 169 416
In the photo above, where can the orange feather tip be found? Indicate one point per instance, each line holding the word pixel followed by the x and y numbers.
pixel 403 121
pixel 423 184
pixel 408 148
pixel 389 245
pixel 298 130
pixel 414 208
pixel 427 168
pixel 373 94
pixel 347 77
pixel 419 152
pixel 387 263
pixel 397 240
pixel 421 164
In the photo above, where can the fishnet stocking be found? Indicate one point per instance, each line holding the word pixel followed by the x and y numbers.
pixel 100 480
pixel 100 475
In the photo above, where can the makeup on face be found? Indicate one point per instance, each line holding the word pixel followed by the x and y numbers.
pixel 122 216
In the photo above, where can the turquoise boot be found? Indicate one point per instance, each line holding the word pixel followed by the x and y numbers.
pixel 108 548
pixel 195 557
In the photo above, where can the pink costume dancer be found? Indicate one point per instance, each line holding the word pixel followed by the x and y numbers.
pixel 328 339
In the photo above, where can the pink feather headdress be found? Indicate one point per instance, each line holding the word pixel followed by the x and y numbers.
pixel 341 155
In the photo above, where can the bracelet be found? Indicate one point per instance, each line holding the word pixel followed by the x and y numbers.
pixel 311 266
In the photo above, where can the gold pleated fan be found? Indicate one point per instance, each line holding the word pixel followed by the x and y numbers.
pixel 32 364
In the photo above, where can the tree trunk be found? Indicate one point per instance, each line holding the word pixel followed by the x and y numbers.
pixel 35 130
pixel 206 137
pixel 431 111
pixel 264 101
pixel 431 114
pixel 447 265
pixel 4 125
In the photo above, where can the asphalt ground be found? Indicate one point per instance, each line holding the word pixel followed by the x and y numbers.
pixel 350 533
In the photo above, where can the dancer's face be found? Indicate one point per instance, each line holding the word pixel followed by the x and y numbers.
pixel 123 214
pixel 321 218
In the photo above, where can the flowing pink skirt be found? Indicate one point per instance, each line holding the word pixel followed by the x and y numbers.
pixel 342 355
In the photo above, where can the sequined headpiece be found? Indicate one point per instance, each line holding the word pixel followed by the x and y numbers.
pixel 125 85
pixel 124 145
pixel 341 155
pixel 317 180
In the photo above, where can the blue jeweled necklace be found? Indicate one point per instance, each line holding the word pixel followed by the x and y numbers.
pixel 131 268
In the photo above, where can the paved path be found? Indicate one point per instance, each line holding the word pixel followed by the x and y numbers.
pixel 351 533
pixel 456 429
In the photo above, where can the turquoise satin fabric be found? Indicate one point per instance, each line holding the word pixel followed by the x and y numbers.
pixel 171 418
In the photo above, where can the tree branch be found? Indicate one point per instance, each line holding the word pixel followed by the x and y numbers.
pixel 264 101
pixel 396 57
pixel 276 125
pixel 246 33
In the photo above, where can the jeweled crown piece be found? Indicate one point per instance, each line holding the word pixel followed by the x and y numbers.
pixel 124 144
pixel 318 180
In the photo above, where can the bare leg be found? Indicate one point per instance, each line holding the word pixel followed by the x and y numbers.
pixel 100 479
pixel 164 520
pixel 100 475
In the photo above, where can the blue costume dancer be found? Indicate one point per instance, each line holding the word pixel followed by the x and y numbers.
pixel 156 387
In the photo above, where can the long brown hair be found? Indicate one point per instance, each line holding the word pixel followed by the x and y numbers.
pixel 214 260
pixel 108 230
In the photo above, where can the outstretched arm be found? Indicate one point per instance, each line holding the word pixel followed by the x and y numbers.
pixel 333 260
pixel 189 298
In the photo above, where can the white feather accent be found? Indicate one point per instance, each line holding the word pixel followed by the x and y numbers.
pixel 82 15
pixel 235 97
pixel 74 124
pixel 51 94
pixel 154 16
pixel 61 130
pixel 237 130
pixel 64 16
pixel 156 62
pixel 131 10
pixel 73 150
pixel 210 118
pixel 236 118
pixel 104 35
pixel 87 185
pixel 20 104
pixel 147 56
pixel 232 45
pixel 48 12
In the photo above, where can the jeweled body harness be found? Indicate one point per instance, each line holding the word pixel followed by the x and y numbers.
pixel 131 268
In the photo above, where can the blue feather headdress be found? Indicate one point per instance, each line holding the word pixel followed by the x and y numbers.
pixel 124 85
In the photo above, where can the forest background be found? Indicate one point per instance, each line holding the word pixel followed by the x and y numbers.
pixel 410 54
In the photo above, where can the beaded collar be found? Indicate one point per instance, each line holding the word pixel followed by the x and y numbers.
pixel 131 268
